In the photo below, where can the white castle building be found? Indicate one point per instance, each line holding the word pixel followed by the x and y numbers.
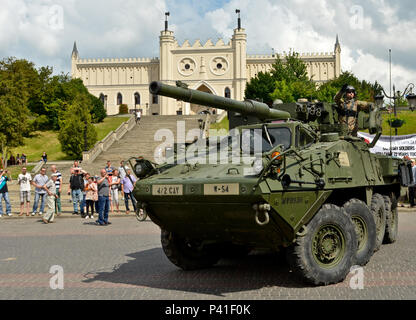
pixel 219 68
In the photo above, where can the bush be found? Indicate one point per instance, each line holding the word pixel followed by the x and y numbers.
pixel 123 109
pixel 98 112
pixel 41 123
pixel 71 135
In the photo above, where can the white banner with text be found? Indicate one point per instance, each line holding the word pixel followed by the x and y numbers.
pixel 400 145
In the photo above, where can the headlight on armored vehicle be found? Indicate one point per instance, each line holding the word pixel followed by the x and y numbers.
pixel 143 168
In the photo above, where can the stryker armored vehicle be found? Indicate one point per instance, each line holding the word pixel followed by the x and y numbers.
pixel 301 185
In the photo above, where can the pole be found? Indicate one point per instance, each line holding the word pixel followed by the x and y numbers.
pixel 396 104
pixel 85 136
pixel 390 71
pixel 390 98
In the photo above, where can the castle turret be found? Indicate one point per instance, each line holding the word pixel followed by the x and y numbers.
pixel 167 43
pixel 337 51
pixel 74 58
pixel 239 44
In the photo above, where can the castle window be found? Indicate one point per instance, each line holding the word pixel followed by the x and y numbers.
pixel 155 99
pixel 119 98
pixel 187 66
pixel 136 98
pixel 227 92
pixel 219 66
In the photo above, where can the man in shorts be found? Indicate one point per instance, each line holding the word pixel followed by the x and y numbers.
pixel 24 180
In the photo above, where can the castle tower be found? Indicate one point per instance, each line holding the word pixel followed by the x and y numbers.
pixel 239 45
pixel 74 58
pixel 167 43
pixel 337 51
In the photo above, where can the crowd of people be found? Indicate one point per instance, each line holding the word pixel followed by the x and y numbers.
pixel 18 160
pixel 90 195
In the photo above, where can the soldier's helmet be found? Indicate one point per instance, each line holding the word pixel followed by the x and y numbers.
pixel 350 89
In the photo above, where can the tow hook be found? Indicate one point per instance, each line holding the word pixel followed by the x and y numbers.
pixel 262 208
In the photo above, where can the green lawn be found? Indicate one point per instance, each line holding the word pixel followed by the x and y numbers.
pixel 109 124
pixel 224 124
pixel 48 141
pixel 408 128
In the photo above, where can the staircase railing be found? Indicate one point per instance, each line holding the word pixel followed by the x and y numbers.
pixel 113 136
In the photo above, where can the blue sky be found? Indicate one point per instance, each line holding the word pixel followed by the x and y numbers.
pixel 43 31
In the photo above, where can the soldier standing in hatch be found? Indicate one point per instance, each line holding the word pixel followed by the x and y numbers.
pixel 348 108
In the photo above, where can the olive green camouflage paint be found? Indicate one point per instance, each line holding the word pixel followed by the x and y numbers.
pixel 214 202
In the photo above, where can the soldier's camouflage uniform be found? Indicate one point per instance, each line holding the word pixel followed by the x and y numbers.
pixel 348 111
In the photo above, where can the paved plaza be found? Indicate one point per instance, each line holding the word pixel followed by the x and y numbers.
pixel 125 261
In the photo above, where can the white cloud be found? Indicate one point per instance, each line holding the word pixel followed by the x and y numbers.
pixel 130 28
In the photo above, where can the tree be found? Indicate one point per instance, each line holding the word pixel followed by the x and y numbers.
pixel 288 81
pixel 14 96
pixel 292 69
pixel 260 87
pixel 365 90
pixel 292 91
pixel 13 123
pixel 73 126
pixel 58 93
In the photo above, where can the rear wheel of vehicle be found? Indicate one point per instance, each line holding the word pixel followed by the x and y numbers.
pixel 326 249
pixel 379 214
pixel 365 228
pixel 186 253
pixel 392 219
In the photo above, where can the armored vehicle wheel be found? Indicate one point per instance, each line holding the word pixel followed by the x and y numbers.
pixel 326 250
pixel 141 214
pixel 185 253
pixel 379 213
pixel 365 228
pixel 392 219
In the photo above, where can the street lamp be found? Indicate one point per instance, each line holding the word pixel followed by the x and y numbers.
pixel 411 99
pixel 410 96
pixel 201 126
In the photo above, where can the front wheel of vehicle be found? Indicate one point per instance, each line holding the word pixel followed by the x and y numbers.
pixel 141 214
pixel 326 250
pixel 187 254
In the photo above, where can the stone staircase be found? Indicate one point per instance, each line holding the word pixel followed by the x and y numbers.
pixel 139 141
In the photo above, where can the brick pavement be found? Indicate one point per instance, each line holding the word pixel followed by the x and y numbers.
pixel 125 261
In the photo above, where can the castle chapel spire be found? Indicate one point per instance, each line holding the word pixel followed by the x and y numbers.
pixel 337 45
pixel 337 53
pixel 75 53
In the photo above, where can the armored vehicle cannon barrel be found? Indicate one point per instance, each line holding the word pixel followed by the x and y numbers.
pixel 247 107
